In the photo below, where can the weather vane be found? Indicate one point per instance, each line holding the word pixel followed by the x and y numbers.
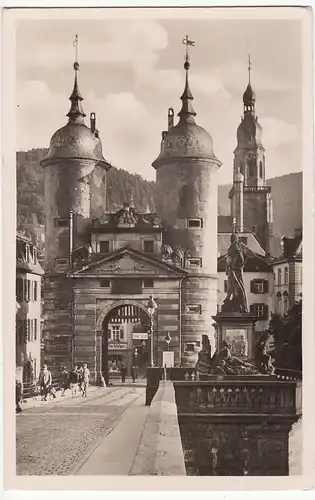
pixel 249 67
pixel 76 54
pixel 188 43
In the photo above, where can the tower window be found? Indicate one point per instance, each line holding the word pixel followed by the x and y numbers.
pixel 260 169
pixel 148 283
pixel 148 247
pixel 195 262
pixel 61 222
pixel 105 283
pixel 254 229
pixel 61 262
pixel 279 277
pixel 193 309
pixel 104 246
pixel 286 276
pixel 195 223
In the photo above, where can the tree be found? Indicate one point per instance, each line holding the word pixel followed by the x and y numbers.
pixel 287 334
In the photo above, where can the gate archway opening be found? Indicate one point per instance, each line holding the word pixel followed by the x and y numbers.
pixel 125 340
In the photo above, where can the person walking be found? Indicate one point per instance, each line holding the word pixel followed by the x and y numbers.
pixel 45 383
pixel 74 379
pixel 80 380
pixel 123 371
pixel 85 380
pixel 64 380
pixel 134 373
pixel 18 396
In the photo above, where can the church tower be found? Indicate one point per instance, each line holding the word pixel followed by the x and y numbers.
pixel 187 203
pixel 251 204
pixel 74 170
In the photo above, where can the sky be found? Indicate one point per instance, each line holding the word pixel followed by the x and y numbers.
pixel 131 72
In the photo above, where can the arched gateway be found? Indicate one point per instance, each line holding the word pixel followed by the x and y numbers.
pixel 124 339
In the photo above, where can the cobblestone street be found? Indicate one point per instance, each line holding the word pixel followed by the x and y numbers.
pixel 55 438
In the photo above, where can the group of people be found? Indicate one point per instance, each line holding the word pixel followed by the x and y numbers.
pixel 123 373
pixel 77 380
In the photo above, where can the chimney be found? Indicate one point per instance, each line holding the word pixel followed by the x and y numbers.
pixel 93 122
pixel 170 117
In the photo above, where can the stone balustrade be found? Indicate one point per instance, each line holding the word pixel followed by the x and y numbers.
pixel 237 426
pixel 255 395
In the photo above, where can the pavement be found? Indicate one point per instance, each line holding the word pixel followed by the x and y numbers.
pixel 99 434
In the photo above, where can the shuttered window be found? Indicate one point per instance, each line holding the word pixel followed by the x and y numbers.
pixel 258 286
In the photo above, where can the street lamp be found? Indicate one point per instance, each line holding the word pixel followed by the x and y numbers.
pixel 168 339
pixel 151 307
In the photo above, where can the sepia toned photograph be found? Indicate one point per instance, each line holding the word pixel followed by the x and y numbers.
pixel 159 285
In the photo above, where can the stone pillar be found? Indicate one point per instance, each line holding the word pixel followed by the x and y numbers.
pixel 98 375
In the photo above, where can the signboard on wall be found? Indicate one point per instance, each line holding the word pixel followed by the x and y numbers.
pixel 168 359
pixel 140 336
pixel 117 345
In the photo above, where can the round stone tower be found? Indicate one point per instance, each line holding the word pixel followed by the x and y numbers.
pixel 74 159
pixel 187 203
pixel 75 184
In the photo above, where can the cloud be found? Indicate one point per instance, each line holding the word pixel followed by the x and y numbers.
pixel 277 132
pixel 40 113
pixel 235 76
pixel 121 43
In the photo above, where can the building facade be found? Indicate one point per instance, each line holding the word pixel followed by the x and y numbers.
pixel 288 274
pixel 101 268
pixel 28 310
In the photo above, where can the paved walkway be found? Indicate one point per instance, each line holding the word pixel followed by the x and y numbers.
pixel 58 437
pixel 116 454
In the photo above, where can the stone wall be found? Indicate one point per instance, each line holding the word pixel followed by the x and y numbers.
pixel 160 452
pixel 58 321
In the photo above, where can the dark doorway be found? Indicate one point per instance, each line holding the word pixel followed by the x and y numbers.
pixel 118 345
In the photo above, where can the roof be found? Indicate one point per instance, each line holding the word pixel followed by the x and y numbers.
pixel 254 263
pixel 33 266
pixel 251 242
pixel 107 264
pixel 292 249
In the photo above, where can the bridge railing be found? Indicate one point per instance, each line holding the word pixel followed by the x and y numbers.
pixel 260 395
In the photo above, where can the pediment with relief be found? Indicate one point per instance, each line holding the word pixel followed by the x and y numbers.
pixel 127 264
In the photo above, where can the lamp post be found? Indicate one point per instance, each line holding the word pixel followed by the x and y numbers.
pixel 168 339
pixel 151 307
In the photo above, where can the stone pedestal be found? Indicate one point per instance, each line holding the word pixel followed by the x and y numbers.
pixel 238 425
pixel 238 329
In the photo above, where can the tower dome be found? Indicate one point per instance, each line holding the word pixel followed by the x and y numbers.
pixel 249 133
pixel 249 95
pixel 75 140
pixel 186 139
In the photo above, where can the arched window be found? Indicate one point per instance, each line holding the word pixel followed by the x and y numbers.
pixel 260 169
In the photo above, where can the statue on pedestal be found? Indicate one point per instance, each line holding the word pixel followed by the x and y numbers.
pixel 203 365
pixel 263 359
pixel 236 299
pixel 227 364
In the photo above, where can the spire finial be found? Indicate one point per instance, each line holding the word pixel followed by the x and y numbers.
pixel 76 113
pixel 249 68
pixel 187 112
